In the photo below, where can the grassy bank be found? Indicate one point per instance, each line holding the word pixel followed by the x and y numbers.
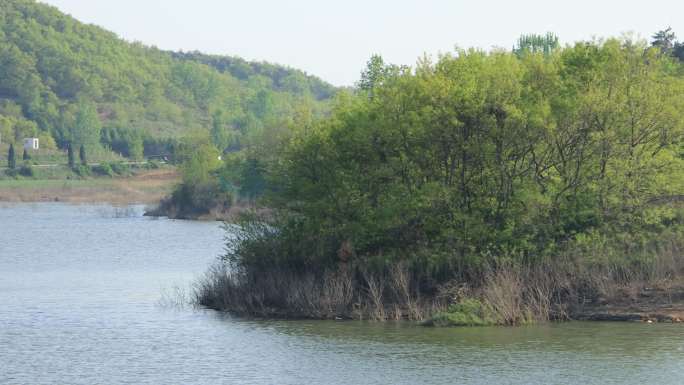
pixel 139 186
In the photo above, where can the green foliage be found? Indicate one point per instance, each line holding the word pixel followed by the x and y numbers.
pixel 666 42
pixel 120 168
pixel 665 39
pixel 201 162
pixel 104 169
pixel 200 190
pixel 82 170
pixel 478 157
pixel 124 141
pixel 82 155
pixel 283 79
pixel 47 142
pixel 79 83
pixel 70 156
pixel 82 127
pixel 188 201
pixel 532 43
pixel 468 312
pixel 26 170
pixel 25 156
pixel 377 72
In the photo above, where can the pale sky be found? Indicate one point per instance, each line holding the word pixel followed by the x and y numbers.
pixel 334 39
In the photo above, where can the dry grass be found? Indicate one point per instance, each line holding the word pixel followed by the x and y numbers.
pixel 513 294
pixel 145 187
pixel 331 295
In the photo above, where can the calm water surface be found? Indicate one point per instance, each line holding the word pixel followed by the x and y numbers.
pixel 82 301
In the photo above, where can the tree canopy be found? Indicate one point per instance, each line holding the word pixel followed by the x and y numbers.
pixel 71 81
pixel 481 155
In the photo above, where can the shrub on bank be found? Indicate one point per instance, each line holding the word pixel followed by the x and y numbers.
pixel 81 170
pixel 26 170
pixel 152 165
pixel 103 169
pixel 120 168
pixel 469 312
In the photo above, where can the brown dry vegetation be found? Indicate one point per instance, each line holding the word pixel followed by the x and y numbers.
pixel 145 187
pixel 513 294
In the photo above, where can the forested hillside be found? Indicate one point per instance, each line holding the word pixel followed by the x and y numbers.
pixel 81 84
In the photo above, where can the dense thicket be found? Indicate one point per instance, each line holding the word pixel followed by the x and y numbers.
pixel 482 157
pixel 500 187
pixel 84 85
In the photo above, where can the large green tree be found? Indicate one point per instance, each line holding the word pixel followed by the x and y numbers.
pixel 483 155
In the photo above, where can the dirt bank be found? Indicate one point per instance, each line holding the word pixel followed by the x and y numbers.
pixel 146 187
pixel 640 302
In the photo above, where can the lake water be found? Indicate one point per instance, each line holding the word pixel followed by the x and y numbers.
pixel 84 300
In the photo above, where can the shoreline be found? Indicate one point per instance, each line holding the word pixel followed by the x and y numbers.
pixel 343 295
pixel 665 315
pixel 218 213
pixel 145 187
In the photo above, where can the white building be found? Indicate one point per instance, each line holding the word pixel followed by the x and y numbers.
pixel 31 144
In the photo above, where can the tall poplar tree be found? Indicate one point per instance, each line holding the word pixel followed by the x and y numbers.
pixel 11 158
pixel 70 156
pixel 82 155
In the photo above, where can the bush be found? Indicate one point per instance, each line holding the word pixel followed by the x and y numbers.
pixel 81 170
pixel 152 165
pixel 104 169
pixel 27 171
pixel 121 168
pixel 190 201
pixel 12 173
pixel 468 312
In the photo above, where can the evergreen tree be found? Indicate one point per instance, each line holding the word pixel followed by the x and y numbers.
pixel 70 155
pixel 665 40
pixel 533 43
pixel 82 155
pixel 11 158
pixel 26 156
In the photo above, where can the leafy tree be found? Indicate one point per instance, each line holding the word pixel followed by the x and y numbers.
pixel 202 161
pixel 11 158
pixel 477 157
pixel 220 134
pixel 86 127
pixel 47 142
pixel 374 74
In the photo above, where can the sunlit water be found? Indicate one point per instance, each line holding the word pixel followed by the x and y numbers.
pixel 82 301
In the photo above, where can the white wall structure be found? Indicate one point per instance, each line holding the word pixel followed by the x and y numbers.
pixel 31 144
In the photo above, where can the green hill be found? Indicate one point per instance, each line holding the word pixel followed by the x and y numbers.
pixel 82 84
